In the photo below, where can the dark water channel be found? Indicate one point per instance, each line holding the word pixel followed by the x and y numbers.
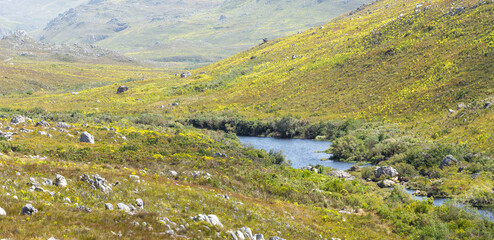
pixel 306 152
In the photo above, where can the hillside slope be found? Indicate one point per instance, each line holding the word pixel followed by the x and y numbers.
pixel 29 15
pixel 188 31
pixel 27 65
pixel 408 63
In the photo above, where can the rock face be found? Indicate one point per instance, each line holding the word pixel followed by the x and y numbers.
pixel 28 209
pixel 2 212
pixel 386 170
pixel 123 207
pixel 386 183
pixel 97 182
pixel 87 138
pixel 42 124
pixel 60 181
pixel 211 219
pixel 248 232
pixel 17 119
pixel 341 174
pixel 448 161
pixel 108 206
pixel 140 203
pixel 63 125
pixel 185 74
pixel 122 89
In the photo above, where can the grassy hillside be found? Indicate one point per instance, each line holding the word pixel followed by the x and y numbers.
pixel 31 15
pixel 189 31
pixel 403 63
pixel 28 66
pixel 175 171
pixel 378 82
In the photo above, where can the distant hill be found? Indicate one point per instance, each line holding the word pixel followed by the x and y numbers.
pixel 27 65
pixel 188 31
pixel 427 67
pixel 31 15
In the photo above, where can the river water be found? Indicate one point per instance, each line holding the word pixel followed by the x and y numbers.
pixel 306 152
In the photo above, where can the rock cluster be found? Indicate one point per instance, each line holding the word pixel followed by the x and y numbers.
pixel 386 170
pixel 96 182
pixel 448 161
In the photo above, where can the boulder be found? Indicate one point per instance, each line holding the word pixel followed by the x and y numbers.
pixel 17 119
pixel 233 236
pixel 341 174
pixel 185 74
pixel 211 219
pixel 47 182
pixel 97 182
pixel 248 232
pixel 87 138
pixel 276 238
pixel 82 208
pixel 173 173
pixel 240 235
pixel 134 177
pixel 386 170
pixel 448 161
pixel 386 183
pixel 259 237
pixel 63 125
pixel 2 212
pixel 123 207
pixel 60 181
pixel 108 206
pixel 487 104
pixel 28 209
pixel 122 89
pixel 140 203
pixel 460 106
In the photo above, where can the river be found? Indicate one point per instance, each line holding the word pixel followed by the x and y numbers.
pixel 306 152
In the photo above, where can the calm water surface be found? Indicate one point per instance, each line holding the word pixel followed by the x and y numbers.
pixel 301 152
pixel 306 152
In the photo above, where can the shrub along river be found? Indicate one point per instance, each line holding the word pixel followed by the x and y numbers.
pixel 306 152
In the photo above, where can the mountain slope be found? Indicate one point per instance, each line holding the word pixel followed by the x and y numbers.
pixel 192 31
pixel 30 15
pixel 27 65
pixel 406 63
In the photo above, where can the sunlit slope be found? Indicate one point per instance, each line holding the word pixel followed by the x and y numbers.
pixel 402 62
pixel 31 14
pixel 189 31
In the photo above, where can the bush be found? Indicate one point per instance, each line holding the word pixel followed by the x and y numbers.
pixel 348 148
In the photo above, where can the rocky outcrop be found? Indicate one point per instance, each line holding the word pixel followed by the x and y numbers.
pixel 211 219
pixel 96 182
pixel 341 174
pixel 386 183
pixel 449 160
pixel 28 209
pixel 17 120
pixel 60 181
pixel 386 170
pixel 87 138
pixel 122 89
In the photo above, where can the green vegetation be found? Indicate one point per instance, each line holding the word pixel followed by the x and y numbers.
pixel 378 82
pixel 152 150
pixel 193 32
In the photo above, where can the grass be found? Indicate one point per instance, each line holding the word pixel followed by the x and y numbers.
pixel 191 31
pixel 369 79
